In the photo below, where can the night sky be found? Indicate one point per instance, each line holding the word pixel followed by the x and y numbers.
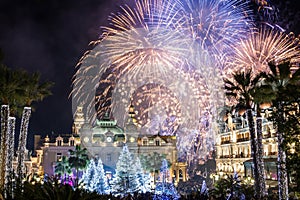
pixel 50 36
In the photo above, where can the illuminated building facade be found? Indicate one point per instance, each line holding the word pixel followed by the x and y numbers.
pixel 105 140
pixel 233 148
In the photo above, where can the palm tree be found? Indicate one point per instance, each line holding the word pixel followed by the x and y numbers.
pixel 62 168
pixel 32 90
pixel 35 91
pixel 152 163
pixel 8 98
pixel 242 88
pixel 292 144
pixel 18 88
pixel 11 88
pixel 78 160
pixel 284 85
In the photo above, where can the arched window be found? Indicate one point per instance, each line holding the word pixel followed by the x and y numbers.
pixel 71 141
pixel 59 141
pixel 145 141
pixel 180 174
pixel 157 142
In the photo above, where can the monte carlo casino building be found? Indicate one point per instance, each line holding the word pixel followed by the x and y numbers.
pixel 105 140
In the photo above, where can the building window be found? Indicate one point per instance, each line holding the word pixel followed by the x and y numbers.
pixel 72 142
pixel 157 142
pixel 59 143
pixel 145 142
pixel 108 157
pixel 180 174
pixel 58 157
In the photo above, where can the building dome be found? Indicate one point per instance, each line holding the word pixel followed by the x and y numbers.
pixel 104 126
pixel 107 130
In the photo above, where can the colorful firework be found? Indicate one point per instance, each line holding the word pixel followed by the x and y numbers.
pixel 217 24
pixel 263 46
pixel 140 40
pixel 150 57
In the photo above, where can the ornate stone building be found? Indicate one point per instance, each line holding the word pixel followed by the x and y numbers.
pixel 52 150
pixel 233 148
pixel 105 140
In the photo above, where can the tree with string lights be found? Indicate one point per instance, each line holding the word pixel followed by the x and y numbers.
pixel 125 181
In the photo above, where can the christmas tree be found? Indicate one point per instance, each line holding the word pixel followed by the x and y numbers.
pixel 99 181
pixel 204 189
pixel 88 175
pixel 165 189
pixel 144 179
pixel 125 180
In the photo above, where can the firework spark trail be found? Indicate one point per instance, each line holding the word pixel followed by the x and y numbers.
pixel 263 46
pixel 157 100
pixel 217 24
pixel 185 87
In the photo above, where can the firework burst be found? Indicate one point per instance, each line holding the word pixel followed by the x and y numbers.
pixel 263 46
pixel 147 59
pixel 216 25
pixel 142 42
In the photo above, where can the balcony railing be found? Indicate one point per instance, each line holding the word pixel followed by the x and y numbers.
pixel 235 156
pixel 271 154
pixel 243 156
pixel 226 156
pixel 242 139
pixel 225 142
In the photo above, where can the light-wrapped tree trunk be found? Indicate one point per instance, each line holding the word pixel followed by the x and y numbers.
pixel 253 151
pixel 10 141
pixel 21 170
pixel 283 193
pixel 260 161
pixel 3 149
pixel 282 171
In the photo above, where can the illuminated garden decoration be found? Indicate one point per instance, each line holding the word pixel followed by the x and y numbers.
pixel 88 175
pixel 165 190
pixel 4 153
pixel 99 182
pixel 10 139
pixel 94 178
pixel 143 178
pixel 21 153
pixel 125 181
